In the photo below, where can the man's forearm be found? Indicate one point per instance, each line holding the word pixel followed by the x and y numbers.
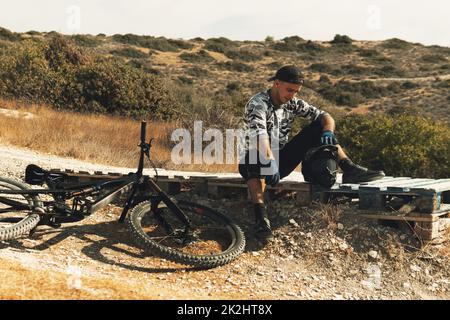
pixel 328 123
pixel 264 147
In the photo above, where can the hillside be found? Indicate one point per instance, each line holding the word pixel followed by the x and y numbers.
pixel 342 74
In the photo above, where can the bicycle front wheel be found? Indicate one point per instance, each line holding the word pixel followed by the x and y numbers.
pixel 213 238
pixel 18 212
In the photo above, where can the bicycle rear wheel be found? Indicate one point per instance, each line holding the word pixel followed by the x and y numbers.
pixel 213 240
pixel 18 212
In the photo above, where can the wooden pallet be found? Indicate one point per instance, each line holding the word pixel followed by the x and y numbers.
pixel 429 194
pixel 215 186
pixel 427 200
pixel 425 203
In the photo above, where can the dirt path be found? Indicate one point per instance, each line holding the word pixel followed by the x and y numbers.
pixel 317 253
pixel 415 79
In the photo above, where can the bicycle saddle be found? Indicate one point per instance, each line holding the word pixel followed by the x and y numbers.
pixel 35 175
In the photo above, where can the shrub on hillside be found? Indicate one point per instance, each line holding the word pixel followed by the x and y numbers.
pixel 368 53
pixel 198 57
pixel 159 43
pixel 341 39
pixel 244 55
pixel 321 67
pixel 235 66
pixel 219 109
pixel 388 71
pixel 350 69
pixel 354 93
pixel 219 44
pixel 297 44
pixel 86 40
pixel 5 34
pixel 130 53
pixel 433 58
pixel 404 145
pixel 396 43
pixel 197 72
pixel 60 74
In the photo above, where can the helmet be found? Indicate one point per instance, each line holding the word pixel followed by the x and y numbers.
pixel 320 165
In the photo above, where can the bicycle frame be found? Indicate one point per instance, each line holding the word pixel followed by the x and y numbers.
pixel 133 181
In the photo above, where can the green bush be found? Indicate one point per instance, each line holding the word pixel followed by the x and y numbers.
pixel 321 67
pixel 396 43
pixel 198 57
pixel 341 39
pixel 350 69
pixel 433 58
pixel 197 72
pixel 354 93
pixel 219 44
pixel 235 66
pixel 219 109
pixel 244 55
pixel 33 33
pixel 404 145
pixel 409 85
pixel 60 74
pixel 86 40
pixel 297 44
pixel 159 43
pixel 388 71
pixel 5 34
pixel 130 53
pixel 368 53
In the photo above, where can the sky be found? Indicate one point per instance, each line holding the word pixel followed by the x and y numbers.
pixel 426 22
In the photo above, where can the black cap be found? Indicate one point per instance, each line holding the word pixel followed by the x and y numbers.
pixel 289 74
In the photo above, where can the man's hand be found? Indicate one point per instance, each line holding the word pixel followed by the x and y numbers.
pixel 273 177
pixel 328 138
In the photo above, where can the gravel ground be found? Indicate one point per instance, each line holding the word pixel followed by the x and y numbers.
pixel 318 252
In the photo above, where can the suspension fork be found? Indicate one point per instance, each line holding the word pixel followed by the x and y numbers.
pixel 160 196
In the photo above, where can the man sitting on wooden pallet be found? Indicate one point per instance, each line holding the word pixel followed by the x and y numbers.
pixel 268 156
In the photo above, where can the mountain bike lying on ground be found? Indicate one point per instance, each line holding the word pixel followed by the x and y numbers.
pixel 181 231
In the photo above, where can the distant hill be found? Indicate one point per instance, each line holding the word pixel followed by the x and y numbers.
pixel 342 74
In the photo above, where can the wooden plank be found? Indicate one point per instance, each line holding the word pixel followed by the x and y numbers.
pixel 115 174
pixel 201 187
pixel 371 200
pixel 384 179
pixel 400 217
pixel 224 184
pixel 437 186
pixel 170 187
pixel 384 185
pixel 405 187
pixel 394 218
pixel 304 198
pixel 357 186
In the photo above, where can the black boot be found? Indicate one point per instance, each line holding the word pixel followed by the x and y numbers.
pixel 354 173
pixel 263 231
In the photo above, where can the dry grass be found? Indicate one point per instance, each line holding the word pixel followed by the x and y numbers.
pixel 95 138
pixel 20 283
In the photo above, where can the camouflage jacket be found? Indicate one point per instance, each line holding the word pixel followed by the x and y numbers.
pixel 263 118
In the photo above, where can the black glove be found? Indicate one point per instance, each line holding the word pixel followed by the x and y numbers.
pixel 273 176
pixel 328 138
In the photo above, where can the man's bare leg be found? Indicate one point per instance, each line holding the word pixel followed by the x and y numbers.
pixel 262 223
pixel 256 188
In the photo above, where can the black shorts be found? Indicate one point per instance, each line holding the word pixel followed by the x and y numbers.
pixel 290 156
